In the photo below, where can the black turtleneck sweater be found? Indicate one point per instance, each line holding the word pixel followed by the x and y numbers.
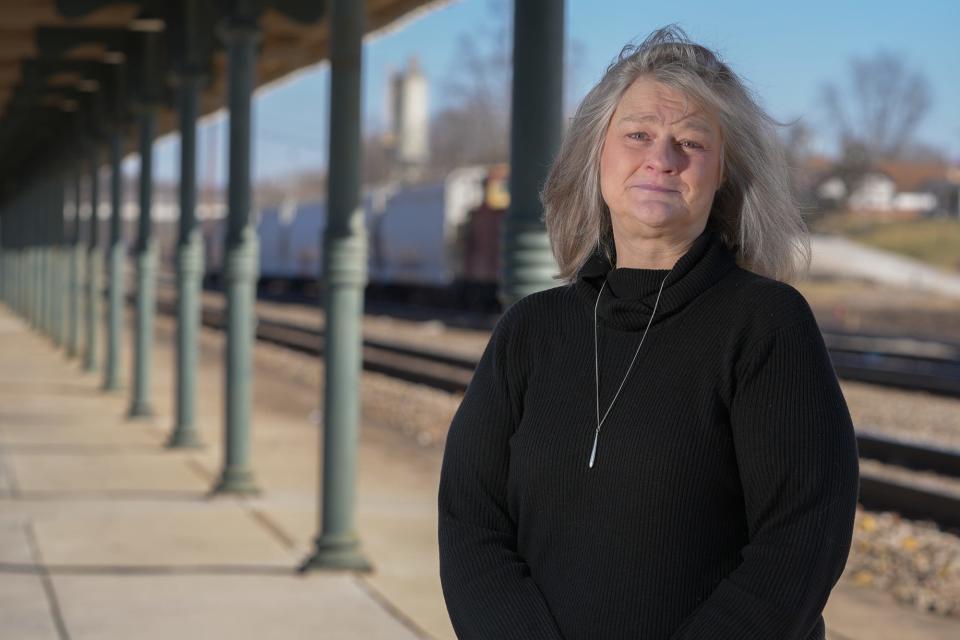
pixel 721 502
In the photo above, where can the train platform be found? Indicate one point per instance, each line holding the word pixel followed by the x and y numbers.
pixel 105 533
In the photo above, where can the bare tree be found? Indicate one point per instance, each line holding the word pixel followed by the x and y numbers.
pixel 474 125
pixel 880 105
pixel 797 138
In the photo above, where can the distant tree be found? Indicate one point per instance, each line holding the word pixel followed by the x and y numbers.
pixel 877 110
pixel 797 139
pixel 473 126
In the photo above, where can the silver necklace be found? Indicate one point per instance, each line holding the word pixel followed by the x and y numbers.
pixel 596 362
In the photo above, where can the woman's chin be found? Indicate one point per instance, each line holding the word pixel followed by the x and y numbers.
pixel 657 216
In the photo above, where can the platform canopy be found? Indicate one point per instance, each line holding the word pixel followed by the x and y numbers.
pixel 55 55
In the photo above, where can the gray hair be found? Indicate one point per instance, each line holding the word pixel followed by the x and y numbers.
pixel 754 211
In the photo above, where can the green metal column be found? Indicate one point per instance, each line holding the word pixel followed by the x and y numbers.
pixel 345 275
pixel 145 249
pixel 23 262
pixel 94 264
pixel 6 222
pixel 13 239
pixel 189 33
pixel 45 253
pixel 7 229
pixel 4 254
pixel 30 302
pixel 53 217
pixel 38 213
pixel 46 221
pixel 34 285
pixel 24 303
pixel 8 253
pixel 528 263
pixel 240 34
pixel 66 251
pixel 190 78
pixel 57 254
pixel 116 95
pixel 146 273
pixel 17 259
pixel 36 278
pixel 116 252
pixel 74 276
pixel 28 272
pixel 43 232
pixel 43 241
pixel 13 228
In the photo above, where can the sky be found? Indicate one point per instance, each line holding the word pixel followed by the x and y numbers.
pixel 786 51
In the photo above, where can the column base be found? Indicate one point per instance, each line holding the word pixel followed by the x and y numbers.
pixel 140 410
pixel 236 482
pixel 335 553
pixel 111 386
pixel 184 439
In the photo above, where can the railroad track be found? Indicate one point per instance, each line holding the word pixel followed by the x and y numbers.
pixel 930 371
pixel 852 356
pixel 912 363
pixel 911 499
pixel 929 366
pixel 909 363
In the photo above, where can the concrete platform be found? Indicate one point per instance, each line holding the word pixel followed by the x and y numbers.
pixel 106 534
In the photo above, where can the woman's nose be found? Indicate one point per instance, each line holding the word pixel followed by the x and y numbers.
pixel 662 156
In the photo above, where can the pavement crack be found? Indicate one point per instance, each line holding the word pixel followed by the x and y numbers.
pixel 273 528
pixel 391 609
pixel 52 601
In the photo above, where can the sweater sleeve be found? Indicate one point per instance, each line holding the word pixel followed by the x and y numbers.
pixel 797 458
pixel 487 585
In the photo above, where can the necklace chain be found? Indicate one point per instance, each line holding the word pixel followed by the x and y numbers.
pixel 596 363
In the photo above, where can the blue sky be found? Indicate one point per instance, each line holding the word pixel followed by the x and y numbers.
pixel 785 50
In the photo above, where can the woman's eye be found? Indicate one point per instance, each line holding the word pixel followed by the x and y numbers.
pixel 639 135
pixel 691 144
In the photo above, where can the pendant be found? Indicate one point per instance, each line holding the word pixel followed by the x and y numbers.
pixel 593 454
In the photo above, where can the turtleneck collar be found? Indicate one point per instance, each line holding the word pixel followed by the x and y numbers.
pixel 629 296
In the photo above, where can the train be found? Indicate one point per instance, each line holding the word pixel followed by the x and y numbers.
pixel 434 243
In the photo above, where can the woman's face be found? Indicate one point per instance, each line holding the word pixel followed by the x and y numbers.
pixel 660 163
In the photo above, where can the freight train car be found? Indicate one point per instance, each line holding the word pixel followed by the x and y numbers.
pixel 433 243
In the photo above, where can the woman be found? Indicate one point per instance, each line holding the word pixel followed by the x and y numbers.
pixel 659 449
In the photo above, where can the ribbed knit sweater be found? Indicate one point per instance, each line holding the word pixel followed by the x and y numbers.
pixel 721 502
